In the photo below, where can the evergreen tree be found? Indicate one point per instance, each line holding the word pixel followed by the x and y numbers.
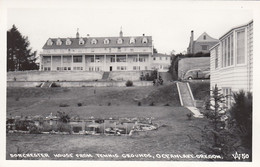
pixel 20 56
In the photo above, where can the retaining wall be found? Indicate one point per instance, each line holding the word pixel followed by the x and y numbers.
pixel 78 83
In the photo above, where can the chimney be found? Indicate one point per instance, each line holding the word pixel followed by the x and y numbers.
pixel 121 32
pixel 143 34
pixel 191 41
pixel 77 34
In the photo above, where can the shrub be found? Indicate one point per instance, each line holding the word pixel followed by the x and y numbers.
pixel 79 104
pixel 241 113
pixel 167 104
pixel 109 104
pixel 139 103
pixel 151 104
pixel 64 105
pixel 55 85
pixel 63 117
pixel 129 83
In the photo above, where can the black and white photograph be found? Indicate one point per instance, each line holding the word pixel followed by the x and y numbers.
pixel 129 81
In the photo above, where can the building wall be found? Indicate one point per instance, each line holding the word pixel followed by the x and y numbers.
pixel 101 63
pixel 237 76
pixel 198 46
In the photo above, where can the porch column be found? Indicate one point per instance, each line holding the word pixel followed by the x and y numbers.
pixel 61 62
pixel 51 63
pixel 126 60
pixel 40 69
pixel 105 60
pixel 138 64
pixel 84 62
pixel 115 63
pixel 71 65
pixel 94 63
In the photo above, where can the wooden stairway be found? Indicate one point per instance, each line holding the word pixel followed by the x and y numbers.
pixel 185 94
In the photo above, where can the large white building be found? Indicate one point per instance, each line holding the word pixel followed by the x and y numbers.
pixel 231 61
pixel 132 53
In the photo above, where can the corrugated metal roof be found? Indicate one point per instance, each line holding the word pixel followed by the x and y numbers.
pixel 100 42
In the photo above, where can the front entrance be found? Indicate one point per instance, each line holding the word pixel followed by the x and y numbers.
pixel 111 68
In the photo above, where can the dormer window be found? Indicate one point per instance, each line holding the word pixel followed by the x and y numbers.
pixel 68 42
pixel 58 42
pixel 49 42
pixel 132 41
pixel 119 40
pixel 93 41
pixel 144 40
pixel 106 41
pixel 81 41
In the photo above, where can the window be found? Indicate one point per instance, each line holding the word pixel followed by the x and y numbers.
pixel 227 51
pixel 121 68
pixel 141 59
pixel 119 40
pixel 93 41
pixel 68 42
pixel 97 59
pixel 58 68
pixel 69 68
pixel 136 67
pixel 227 94
pixel 120 59
pixel 92 59
pixel 49 42
pixel 216 57
pixel 132 40
pixel 77 59
pixel 112 59
pixel 47 68
pixel 166 58
pixel 66 59
pixel 47 59
pixel 58 42
pixel 204 47
pixel 241 47
pixel 160 58
pixel 106 41
pixel 154 58
pixel 81 41
pixel 144 40
pixel 204 37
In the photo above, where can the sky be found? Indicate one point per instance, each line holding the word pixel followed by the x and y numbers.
pixel 168 22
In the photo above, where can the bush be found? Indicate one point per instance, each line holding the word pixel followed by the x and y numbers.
pixel 139 103
pixel 55 85
pixel 63 117
pixel 108 104
pixel 129 83
pixel 64 105
pixel 151 104
pixel 79 104
pixel 241 113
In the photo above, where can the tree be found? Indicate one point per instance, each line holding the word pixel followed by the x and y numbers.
pixel 20 56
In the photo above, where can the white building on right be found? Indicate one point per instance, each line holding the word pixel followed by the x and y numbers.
pixel 231 61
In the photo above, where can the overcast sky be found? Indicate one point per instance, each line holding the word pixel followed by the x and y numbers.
pixel 168 22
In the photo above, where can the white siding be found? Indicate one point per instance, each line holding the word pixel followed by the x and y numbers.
pixel 236 77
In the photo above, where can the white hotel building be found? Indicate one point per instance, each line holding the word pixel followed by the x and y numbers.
pixel 97 53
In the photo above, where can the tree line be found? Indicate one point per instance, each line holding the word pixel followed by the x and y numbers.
pixel 20 56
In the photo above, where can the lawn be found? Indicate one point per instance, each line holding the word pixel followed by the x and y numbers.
pixel 175 135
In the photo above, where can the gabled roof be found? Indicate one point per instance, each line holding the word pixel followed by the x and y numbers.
pixel 100 42
pixel 204 37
